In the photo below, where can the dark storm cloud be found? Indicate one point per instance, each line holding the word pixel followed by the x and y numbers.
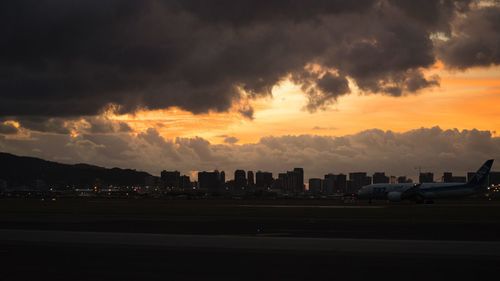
pixel 329 87
pixel 476 41
pixel 72 58
pixel 245 11
pixel 321 89
pixel 434 14
pixel 102 125
pixel 43 124
pixel 58 125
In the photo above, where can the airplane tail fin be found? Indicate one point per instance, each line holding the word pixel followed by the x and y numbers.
pixel 481 176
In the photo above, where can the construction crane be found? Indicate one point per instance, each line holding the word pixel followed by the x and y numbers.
pixel 419 168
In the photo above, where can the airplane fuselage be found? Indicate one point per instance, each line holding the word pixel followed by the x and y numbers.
pixel 447 190
pixel 380 190
pixel 396 192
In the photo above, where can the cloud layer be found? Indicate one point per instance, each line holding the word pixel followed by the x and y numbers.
pixel 476 41
pixel 74 58
pixel 373 150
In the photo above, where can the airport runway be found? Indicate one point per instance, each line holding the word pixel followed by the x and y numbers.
pixel 409 247
pixel 470 221
pixel 64 255
pixel 315 206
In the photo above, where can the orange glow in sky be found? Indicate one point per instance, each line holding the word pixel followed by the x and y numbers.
pixel 464 100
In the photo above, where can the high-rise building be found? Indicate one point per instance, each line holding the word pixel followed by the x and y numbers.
pixel 392 180
pixel 403 179
pixel 222 177
pixel 340 183
pixel 426 177
pixel 447 177
pixel 461 179
pixel 358 180
pixel 250 178
pixel 315 185
pixel 211 181
pixel 240 180
pixel 281 181
pixel 329 184
pixel 170 179
pixel 348 187
pixel 292 181
pixel 334 183
pixel 380 178
pixel 263 180
pixel 300 175
pixel 185 182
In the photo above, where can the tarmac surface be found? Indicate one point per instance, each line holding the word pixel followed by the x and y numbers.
pixel 213 240
pixel 76 261
pixel 361 246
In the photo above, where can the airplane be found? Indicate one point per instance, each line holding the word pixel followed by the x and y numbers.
pixel 427 192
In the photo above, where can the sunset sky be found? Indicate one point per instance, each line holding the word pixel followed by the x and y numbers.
pixel 465 100
pixel 330 86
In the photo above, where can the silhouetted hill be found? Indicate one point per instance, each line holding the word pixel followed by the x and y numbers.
pixel 26 170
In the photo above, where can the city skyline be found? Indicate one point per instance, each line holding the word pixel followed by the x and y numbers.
pixel 25 174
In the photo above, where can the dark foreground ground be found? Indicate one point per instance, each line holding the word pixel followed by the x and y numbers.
pixel 247 240
pixel 81 262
